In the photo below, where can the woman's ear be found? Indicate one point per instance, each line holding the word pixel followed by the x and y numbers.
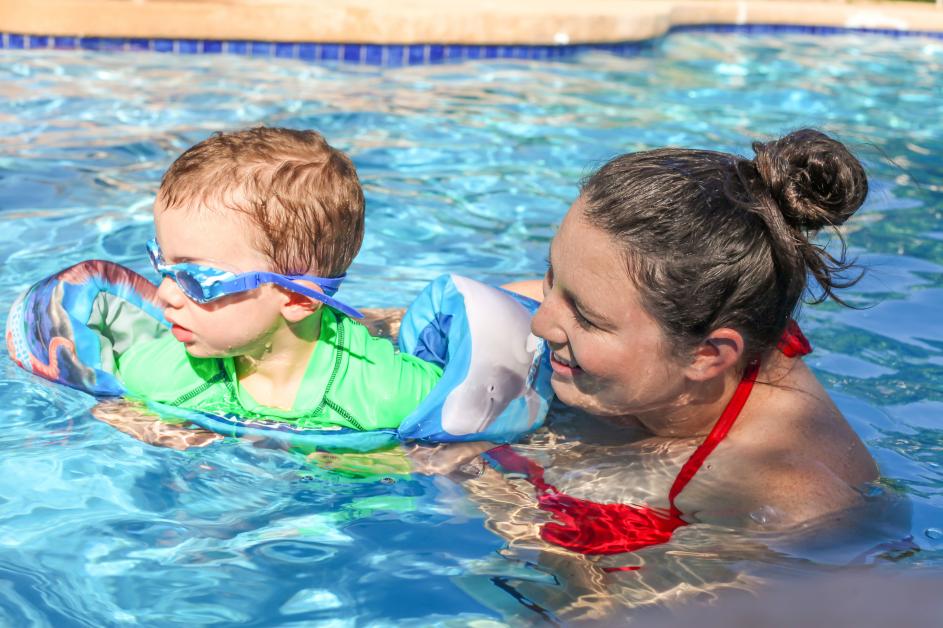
pixel 721 350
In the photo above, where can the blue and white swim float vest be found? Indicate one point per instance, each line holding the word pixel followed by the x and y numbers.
pixel 70 328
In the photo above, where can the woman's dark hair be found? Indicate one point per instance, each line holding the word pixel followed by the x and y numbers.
pixel 716 240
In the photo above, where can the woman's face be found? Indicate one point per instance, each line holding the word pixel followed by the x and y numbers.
pixel 609 356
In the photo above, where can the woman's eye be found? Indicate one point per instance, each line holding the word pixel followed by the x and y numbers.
pixel 582 321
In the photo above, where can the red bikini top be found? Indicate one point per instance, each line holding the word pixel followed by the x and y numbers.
pixel 590 527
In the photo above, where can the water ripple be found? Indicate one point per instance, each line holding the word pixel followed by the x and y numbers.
pixel 467 168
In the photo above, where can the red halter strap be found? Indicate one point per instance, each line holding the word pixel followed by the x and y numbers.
pixel 717 433
pixel 792 343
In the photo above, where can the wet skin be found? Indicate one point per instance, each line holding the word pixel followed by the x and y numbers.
pixel 790 454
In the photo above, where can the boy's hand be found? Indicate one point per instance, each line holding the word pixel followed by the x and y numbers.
pixel 132 419
pixel 533 288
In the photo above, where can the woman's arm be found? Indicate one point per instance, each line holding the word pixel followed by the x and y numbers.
pixel 135 421
pixel 533 288
pixel 383 322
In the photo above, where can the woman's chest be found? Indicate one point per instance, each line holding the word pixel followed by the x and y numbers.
pixel 639 472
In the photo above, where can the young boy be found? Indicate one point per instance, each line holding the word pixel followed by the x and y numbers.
pixel 255 230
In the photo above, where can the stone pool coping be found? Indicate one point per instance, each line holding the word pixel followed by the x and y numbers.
pixel 479 23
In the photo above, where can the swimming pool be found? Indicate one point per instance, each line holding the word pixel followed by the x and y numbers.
pixel 467 168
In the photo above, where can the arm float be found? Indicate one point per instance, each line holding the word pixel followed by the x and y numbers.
pixel 71 328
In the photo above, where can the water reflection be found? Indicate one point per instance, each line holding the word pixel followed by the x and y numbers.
pixel 702 561
pixel 467 169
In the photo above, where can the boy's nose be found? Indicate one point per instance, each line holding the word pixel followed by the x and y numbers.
pixel 170 293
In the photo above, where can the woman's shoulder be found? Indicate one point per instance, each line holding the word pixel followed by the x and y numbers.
pixel 793 456
pixel 796 411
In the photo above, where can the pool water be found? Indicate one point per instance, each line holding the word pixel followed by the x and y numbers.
pixel 467 168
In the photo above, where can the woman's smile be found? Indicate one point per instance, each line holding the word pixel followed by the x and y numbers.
pixel 563 366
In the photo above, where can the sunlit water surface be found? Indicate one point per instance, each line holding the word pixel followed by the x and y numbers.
pixel 467 168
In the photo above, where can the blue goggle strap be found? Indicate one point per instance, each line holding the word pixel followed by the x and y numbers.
pixel 250 281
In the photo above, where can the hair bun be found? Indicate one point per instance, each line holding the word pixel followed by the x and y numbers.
pixel 814 179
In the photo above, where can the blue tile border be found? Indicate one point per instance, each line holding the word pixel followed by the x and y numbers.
pixel 261 48
pixel 351 53
pixel 393 55
pixel 64 43
pixel 190 46
pixel 308 52
pixel 373 54
pixel 329 52
pixel 286 50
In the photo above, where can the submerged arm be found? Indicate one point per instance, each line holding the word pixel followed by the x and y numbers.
pixel 532 288
pixel 135 421
pixel 385 321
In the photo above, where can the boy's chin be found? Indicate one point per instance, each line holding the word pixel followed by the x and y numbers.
pixel 195 350
pixel 200 350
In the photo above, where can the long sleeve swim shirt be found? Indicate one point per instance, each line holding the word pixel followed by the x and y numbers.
pixel 352 380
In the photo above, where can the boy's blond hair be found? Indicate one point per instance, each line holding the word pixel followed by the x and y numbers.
pixel 302 194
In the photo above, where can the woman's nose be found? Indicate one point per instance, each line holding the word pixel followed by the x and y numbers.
pixel 543 325
pixel 170 293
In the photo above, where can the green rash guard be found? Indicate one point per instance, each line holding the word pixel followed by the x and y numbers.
pixel 353 380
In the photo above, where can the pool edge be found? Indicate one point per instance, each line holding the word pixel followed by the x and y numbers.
pixel 487 23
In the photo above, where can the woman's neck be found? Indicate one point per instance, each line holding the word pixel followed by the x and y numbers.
pixel 695 410
pixel 272 374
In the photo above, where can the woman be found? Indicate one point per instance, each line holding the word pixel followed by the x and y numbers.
pixel 668 305
pixel 668 302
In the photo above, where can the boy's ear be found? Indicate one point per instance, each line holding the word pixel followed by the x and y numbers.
pixel 721 350
pixel 298 307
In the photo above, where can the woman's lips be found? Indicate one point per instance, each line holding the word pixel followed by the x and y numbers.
pixel 181 333
pixel 567 368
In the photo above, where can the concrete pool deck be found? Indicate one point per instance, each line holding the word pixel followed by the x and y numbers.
pixel 521 22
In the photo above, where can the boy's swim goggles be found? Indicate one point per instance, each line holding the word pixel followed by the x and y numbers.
pixel 204 283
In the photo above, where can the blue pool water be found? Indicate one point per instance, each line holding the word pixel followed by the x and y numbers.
pixel 467 168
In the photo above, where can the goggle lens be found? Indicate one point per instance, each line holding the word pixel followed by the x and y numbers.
pixel 190 286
